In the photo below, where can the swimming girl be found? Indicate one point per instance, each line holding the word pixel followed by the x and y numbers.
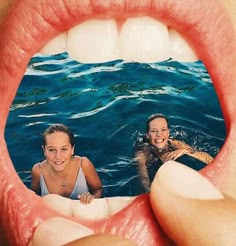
pixel 62 172
pixel 157 148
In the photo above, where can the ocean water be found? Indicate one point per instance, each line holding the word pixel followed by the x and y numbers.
pixel 106 106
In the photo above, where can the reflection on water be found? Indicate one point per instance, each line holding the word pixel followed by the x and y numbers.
pixel 106 106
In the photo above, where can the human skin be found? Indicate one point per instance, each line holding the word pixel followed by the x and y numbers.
pixel 190 209
pixel 58 152
pixel 158 136
pixel 214 42
pixel 159 133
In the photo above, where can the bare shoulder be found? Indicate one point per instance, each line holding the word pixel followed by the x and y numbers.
pixel 86 162
pixel 35 176
pixel 87 166
pixel 37 168
pixel 81 160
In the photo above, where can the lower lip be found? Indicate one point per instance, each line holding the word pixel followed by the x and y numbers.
pixel 17 200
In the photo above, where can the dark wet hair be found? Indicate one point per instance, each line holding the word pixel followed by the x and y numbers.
pixel 153 117
pixel 59 128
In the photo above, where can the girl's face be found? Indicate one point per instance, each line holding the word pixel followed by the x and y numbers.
pixel 58 150
pixel 158 133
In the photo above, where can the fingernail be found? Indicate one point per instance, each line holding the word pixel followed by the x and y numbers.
pixel 186 182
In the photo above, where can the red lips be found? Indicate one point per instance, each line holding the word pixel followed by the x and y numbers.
pixel 30 24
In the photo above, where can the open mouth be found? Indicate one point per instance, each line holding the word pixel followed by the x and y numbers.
pixel 158 141
pixel 58 163
pixel 30 25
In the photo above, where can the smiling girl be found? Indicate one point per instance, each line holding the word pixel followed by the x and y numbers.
pixel 157 148
pixel 62 172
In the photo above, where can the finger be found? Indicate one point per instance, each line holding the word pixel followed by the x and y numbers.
pixel 83 199
pixel 49 232
pixel 176 156
pixel 172 156
pixel 91 197
pixel 86 198
pixel 102 239
pixel 75 234
pixel 190 209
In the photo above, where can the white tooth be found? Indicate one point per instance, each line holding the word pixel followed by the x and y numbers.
pixel 141 39
pixel 118 203
pixel 179 48
pixel 144 40
pixel 90 211
pixel 93 41
pixel 55 46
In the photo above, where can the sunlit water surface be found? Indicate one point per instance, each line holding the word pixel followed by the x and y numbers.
pixel 106 106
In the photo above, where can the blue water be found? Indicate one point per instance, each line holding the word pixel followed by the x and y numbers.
pixel 106 106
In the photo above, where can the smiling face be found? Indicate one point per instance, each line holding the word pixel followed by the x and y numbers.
pixel 158 133
pixel 58 150
pixel 29 25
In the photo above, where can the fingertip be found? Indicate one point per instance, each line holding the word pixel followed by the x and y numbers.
pixel 102 239
pixel 182 199
pixel 183 181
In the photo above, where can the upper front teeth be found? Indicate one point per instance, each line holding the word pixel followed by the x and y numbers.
pixel 179 49
pixel 140 39
pixel 144 39
pixel 58 162
pixel 56 45
pixel 93 40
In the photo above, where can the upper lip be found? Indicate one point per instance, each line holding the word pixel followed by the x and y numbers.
pixel 24 36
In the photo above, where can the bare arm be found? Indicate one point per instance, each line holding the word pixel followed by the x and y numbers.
pixel 188 150
pixel 142 170
pixel 181 145
pixel 35 178
pixel 202 156
pixel 92 178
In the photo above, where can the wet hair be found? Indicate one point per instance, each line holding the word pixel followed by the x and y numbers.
pixel 58 128
pixel 153 117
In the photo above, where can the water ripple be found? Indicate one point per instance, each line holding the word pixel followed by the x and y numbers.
pixel 106 106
